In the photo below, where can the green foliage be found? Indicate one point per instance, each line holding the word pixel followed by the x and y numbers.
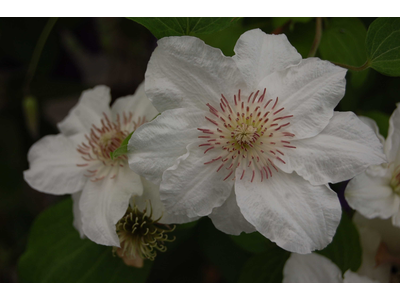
pixel 343 41
pixel 162 27
pixel 345 249
pixel 383 46
pixel 56 253
pixel 280 21
pixel 221 251
pixel 253 242
pixel 265 267
pixel 123 148
pixel 381 119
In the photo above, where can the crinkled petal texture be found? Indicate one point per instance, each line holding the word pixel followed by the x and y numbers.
pixel 372 195
pixel 229 219
pixel 392 145
pixel 103 203
pixel 342 150
pixel 309 91
pixel 91 106
pixel 258 55
pixel 193 188
pixel 137 103
pixel 372 124
pixel 288 210
pixel 310 268
pixel 53 166
pixel 185 72
pixel 155 146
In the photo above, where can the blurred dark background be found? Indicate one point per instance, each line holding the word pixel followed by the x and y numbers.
pixel 80 53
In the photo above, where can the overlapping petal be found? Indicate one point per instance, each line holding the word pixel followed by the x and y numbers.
pixel 191 188
pixel 77 213
pixel 137 103
pixel 104 202
pixel 309 91
pixel 155 146
pixel 392 144
pixel 229 219
pixel 342 150
pixel 185 72
pixel 310 268
pixel 288 210
pixel 89 110
pixel 53 166
pixel 258 55
pixel 372 195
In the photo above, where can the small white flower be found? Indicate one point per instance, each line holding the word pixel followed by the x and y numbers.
pixel 315 268
pixel 77 161
pixel 251 140
pixel 376 192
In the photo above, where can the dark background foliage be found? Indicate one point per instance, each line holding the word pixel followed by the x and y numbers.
pixel 83 52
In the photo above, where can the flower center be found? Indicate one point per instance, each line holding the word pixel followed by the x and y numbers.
pixel 140 235
pixel 101 141
pixel 395 182
pixel 249 134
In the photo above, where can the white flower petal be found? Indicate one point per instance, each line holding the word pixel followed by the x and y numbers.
pixel 309 91
pixel 155 146
pixel 372 124
pixel 103 204
pixel 192 188
pixel 342 150
pixel 289 211
pixel 184 72
pixel 392 144
pixel 89 110
pixel 77 213
pixel 229 219
pixel 370 239
pixel 137 103
pixel 259 54
pixel 310 268
pixel 351 277
pixel 53 166
pixel 372 196
pixel 151 193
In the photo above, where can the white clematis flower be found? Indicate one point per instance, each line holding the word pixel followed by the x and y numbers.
pixel 315 268
pixel 376 192
pixel 77 161
pixel 251 140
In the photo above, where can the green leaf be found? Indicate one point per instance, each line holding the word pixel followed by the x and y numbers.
pixel 381 119
pixel 162 27
pixel 56 253
pixel 383 46
pixel 345 249
pixel 343 41
pixel 252 242
pixel 221 251
pixel 123 148
pixel 265 267
pixel 280 21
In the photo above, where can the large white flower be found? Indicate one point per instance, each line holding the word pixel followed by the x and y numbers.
pixel 315 268
pixel 251 140
pixel 77 161
pixel 376 192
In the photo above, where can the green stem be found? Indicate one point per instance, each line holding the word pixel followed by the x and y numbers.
pixel 352 68
pixel 37 53
pixel 317 38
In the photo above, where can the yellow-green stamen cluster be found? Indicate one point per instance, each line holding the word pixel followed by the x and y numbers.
pixel 140 235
